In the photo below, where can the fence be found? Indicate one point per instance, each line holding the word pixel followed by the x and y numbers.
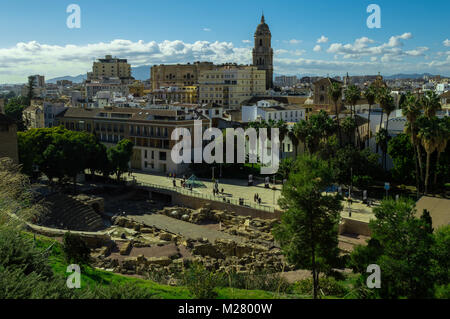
pixel 188 192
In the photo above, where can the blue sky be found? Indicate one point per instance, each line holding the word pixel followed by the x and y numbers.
pixel 413 37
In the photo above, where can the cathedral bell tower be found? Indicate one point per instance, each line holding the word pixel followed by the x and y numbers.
pixel 263 52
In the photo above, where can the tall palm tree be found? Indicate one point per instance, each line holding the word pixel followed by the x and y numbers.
pixel 370 95
pixel 411 108
pixel 442 138
pixel 387 105
pixel 428 131
pixel 335 94
pixel 348 126
pixel 431 103
pixel 352 96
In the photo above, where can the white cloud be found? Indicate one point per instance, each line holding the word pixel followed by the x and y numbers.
pixel 322 39
pixel 389 51
pixel 206 29
pixel 23 59
pixel 293 41
pixel 317 48
pixel 446 43
pixel 246 41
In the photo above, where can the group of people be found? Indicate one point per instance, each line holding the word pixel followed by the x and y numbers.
pixel 216 191
pixel 257 199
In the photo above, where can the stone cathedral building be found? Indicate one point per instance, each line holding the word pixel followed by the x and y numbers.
pixel 263 52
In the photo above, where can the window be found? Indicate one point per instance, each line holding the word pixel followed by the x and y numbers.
pixel 145 154
pixel 162 156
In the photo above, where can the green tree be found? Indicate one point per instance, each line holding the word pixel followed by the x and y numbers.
pixel 352 96
pixel 411 108
pixel 382 139
pixel 335 93
pixel 119 156
pixel 402 153
pixel 14 109
pixel 370 95
pixel 442 138
pixel 431 103
pixel 308 229
pixel 30 90
pixel 400 245
pixel 428 135
pixel 348 126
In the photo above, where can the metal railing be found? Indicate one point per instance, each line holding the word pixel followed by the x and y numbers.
pixel 222 199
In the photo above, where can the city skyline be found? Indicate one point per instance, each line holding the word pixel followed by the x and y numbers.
pixel 304 37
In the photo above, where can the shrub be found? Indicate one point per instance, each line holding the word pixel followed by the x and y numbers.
pixel 75 249
pixel 258 281
pixel 328 285
pixel 201 282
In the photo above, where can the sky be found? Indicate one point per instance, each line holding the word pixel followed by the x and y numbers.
pixel 323 37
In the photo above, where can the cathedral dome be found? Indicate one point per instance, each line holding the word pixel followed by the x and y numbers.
pixel 262 27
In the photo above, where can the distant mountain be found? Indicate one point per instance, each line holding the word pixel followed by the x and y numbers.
pixel 75 79
pixel 141 73
pixel 407 76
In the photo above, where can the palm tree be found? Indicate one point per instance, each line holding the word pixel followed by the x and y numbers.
pixel 370 95
pixel 293 137
pixel 335 94
pixel 381 138
pixel 387 104
pixel 442 137
pixel 348 126
pixel 428 131
pixel 431 103
pixel 352 96
pixel 411 108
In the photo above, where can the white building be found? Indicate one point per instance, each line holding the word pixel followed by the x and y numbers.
pixel 271 110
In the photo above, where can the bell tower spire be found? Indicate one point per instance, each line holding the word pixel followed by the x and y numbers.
pixel 263 52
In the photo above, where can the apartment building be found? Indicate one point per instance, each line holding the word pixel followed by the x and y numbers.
pixel 8 138
pixel 177 75
pixel 270 110
pixel 110 67
pixel 42 114
pixel 114 84
pixel 150 131
pixel 184 94
pixel 230 85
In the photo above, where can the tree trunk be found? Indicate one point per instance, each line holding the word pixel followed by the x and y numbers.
pixel 368 127
pixel 381 121
pixel 436 170
pixel 427 172
pixel 419 156
pixel 337 122
pixel 386 142
pixel 417 173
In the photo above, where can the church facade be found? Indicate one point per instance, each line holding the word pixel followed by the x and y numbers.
pixel 263 52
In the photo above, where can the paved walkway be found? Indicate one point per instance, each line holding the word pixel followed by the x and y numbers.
pixel 183 228
pixel 237 188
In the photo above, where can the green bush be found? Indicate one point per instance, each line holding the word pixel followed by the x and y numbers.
pixel 75 249
pixel 201 282
pixel 328 285
pixel 258 281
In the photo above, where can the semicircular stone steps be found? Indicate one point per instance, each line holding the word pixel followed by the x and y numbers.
pixel 65 212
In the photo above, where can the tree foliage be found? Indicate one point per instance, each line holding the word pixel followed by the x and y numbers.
pixel 308 229
pixel 402 246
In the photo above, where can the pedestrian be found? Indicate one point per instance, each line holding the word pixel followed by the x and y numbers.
pixel 259 201
pixel 222 190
